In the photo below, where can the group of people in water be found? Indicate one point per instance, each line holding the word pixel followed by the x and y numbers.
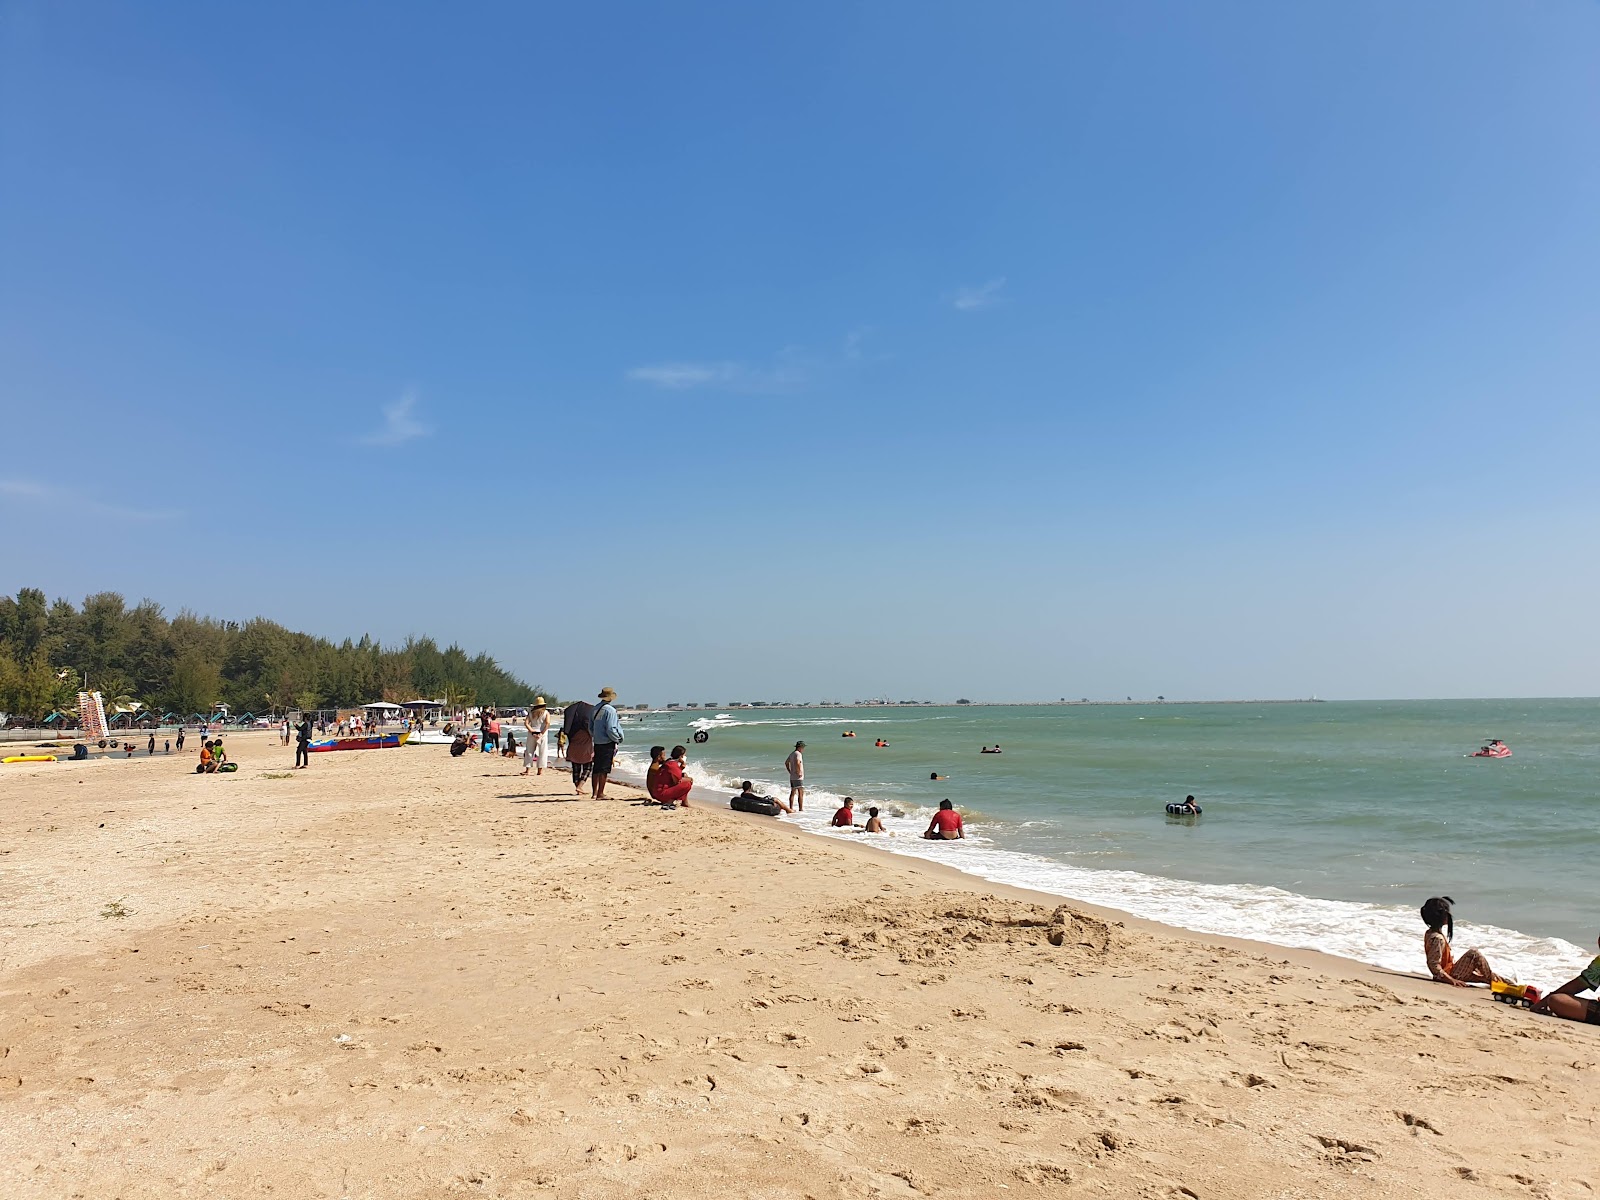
pixel 1473 968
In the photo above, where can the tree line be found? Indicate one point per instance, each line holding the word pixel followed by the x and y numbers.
pixel 138 659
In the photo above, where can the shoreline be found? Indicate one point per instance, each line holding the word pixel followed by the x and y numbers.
pixel 401 975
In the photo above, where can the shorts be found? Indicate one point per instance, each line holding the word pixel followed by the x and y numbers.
pixel 1594 1013
pixel 605 753
pixel 796 783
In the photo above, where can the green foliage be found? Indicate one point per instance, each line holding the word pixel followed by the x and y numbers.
pixel 189 663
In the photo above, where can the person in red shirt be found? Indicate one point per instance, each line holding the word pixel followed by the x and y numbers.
pixel 675 785
pixel 654 778
pixel 946 824
pixel 845 818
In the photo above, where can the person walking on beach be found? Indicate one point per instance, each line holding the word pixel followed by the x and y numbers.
pixel 180 739
pixel 795 764
pixel 606 731
pixel 580 743
pixel 302 744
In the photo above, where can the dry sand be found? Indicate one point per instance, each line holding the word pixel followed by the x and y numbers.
pixel 398 974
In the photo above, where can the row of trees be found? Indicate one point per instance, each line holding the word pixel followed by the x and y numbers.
pixel 136 656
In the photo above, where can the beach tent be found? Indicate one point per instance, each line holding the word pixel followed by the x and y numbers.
pixel 423 704
pixel 383 704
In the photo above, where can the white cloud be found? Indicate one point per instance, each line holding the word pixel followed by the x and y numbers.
pixel 984 295
pixel 786 374
pixel 65 500
pixel 679 376
pixel 399 425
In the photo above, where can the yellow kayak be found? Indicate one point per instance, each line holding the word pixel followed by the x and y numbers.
pixel 29 758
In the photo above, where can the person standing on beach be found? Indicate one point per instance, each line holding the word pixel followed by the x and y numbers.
pixel 180 739
pixel 536 750
pixel 606 731
pixel 795 764
pixel 580 743
pixel 302 744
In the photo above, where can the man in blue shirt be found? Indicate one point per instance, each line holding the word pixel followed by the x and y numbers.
pixel 607 732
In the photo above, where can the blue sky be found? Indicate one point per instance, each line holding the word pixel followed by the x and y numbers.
pixel 730 350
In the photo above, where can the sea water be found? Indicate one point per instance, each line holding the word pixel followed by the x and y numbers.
pixel 1326 825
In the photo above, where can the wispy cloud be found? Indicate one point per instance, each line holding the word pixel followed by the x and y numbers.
pixel 983 295
pixel 787 373
pixel 400 425
pixel 27 492
pixel 680 376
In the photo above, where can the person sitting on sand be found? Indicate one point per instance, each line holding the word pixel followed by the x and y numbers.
pixel 1565 1002
pixel 946 824
pixel 675 785
pixel 208 760
pixel 1443 965
pixel 653 776
pixel 845 817
pixel 873 825
pixel 460 745
pixel 218 753
pixel 748 792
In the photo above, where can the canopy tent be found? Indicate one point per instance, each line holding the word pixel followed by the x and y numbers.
pixel 422 704
pixel 384 704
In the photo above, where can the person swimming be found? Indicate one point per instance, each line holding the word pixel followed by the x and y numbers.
pixel 987 750
pixel 880 743
pixel 936 776
pixel 873 825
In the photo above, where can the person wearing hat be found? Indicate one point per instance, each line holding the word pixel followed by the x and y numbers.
pixel 536 750
pixel 606 730
pixel 795 764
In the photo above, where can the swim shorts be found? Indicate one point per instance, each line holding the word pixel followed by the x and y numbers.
pixel 1594 1013
pixel 605 753
pixel 796 783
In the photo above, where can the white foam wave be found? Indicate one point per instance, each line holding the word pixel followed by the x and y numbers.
pixel 1382 935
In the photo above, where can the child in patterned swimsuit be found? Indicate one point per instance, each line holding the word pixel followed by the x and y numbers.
pixel 1443 965
pixel 1565 1002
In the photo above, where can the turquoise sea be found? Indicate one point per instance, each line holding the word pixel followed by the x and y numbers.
pixel 1326 824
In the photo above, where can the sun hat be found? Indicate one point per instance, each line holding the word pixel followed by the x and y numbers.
pixel 608 693
pixel 538 701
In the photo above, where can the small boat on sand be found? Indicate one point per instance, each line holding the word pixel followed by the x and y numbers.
pixel 376 741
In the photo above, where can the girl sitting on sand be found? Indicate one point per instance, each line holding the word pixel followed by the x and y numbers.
pixel 1443 965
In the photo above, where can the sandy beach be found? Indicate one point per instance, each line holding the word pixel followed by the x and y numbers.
pixel 398 974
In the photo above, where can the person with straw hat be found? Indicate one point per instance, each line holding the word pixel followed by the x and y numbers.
pixel 536 750
pixel 606 730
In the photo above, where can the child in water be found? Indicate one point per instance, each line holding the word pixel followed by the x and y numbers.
pixel 1443 965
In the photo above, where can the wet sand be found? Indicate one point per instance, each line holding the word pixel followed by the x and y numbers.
pixel 398 974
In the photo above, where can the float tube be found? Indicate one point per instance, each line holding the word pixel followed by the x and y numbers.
pixel 29 758
pixel 755 804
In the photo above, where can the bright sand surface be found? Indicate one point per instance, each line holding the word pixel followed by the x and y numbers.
pixel 397 974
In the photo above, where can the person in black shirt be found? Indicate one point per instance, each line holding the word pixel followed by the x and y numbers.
pixel 302 744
